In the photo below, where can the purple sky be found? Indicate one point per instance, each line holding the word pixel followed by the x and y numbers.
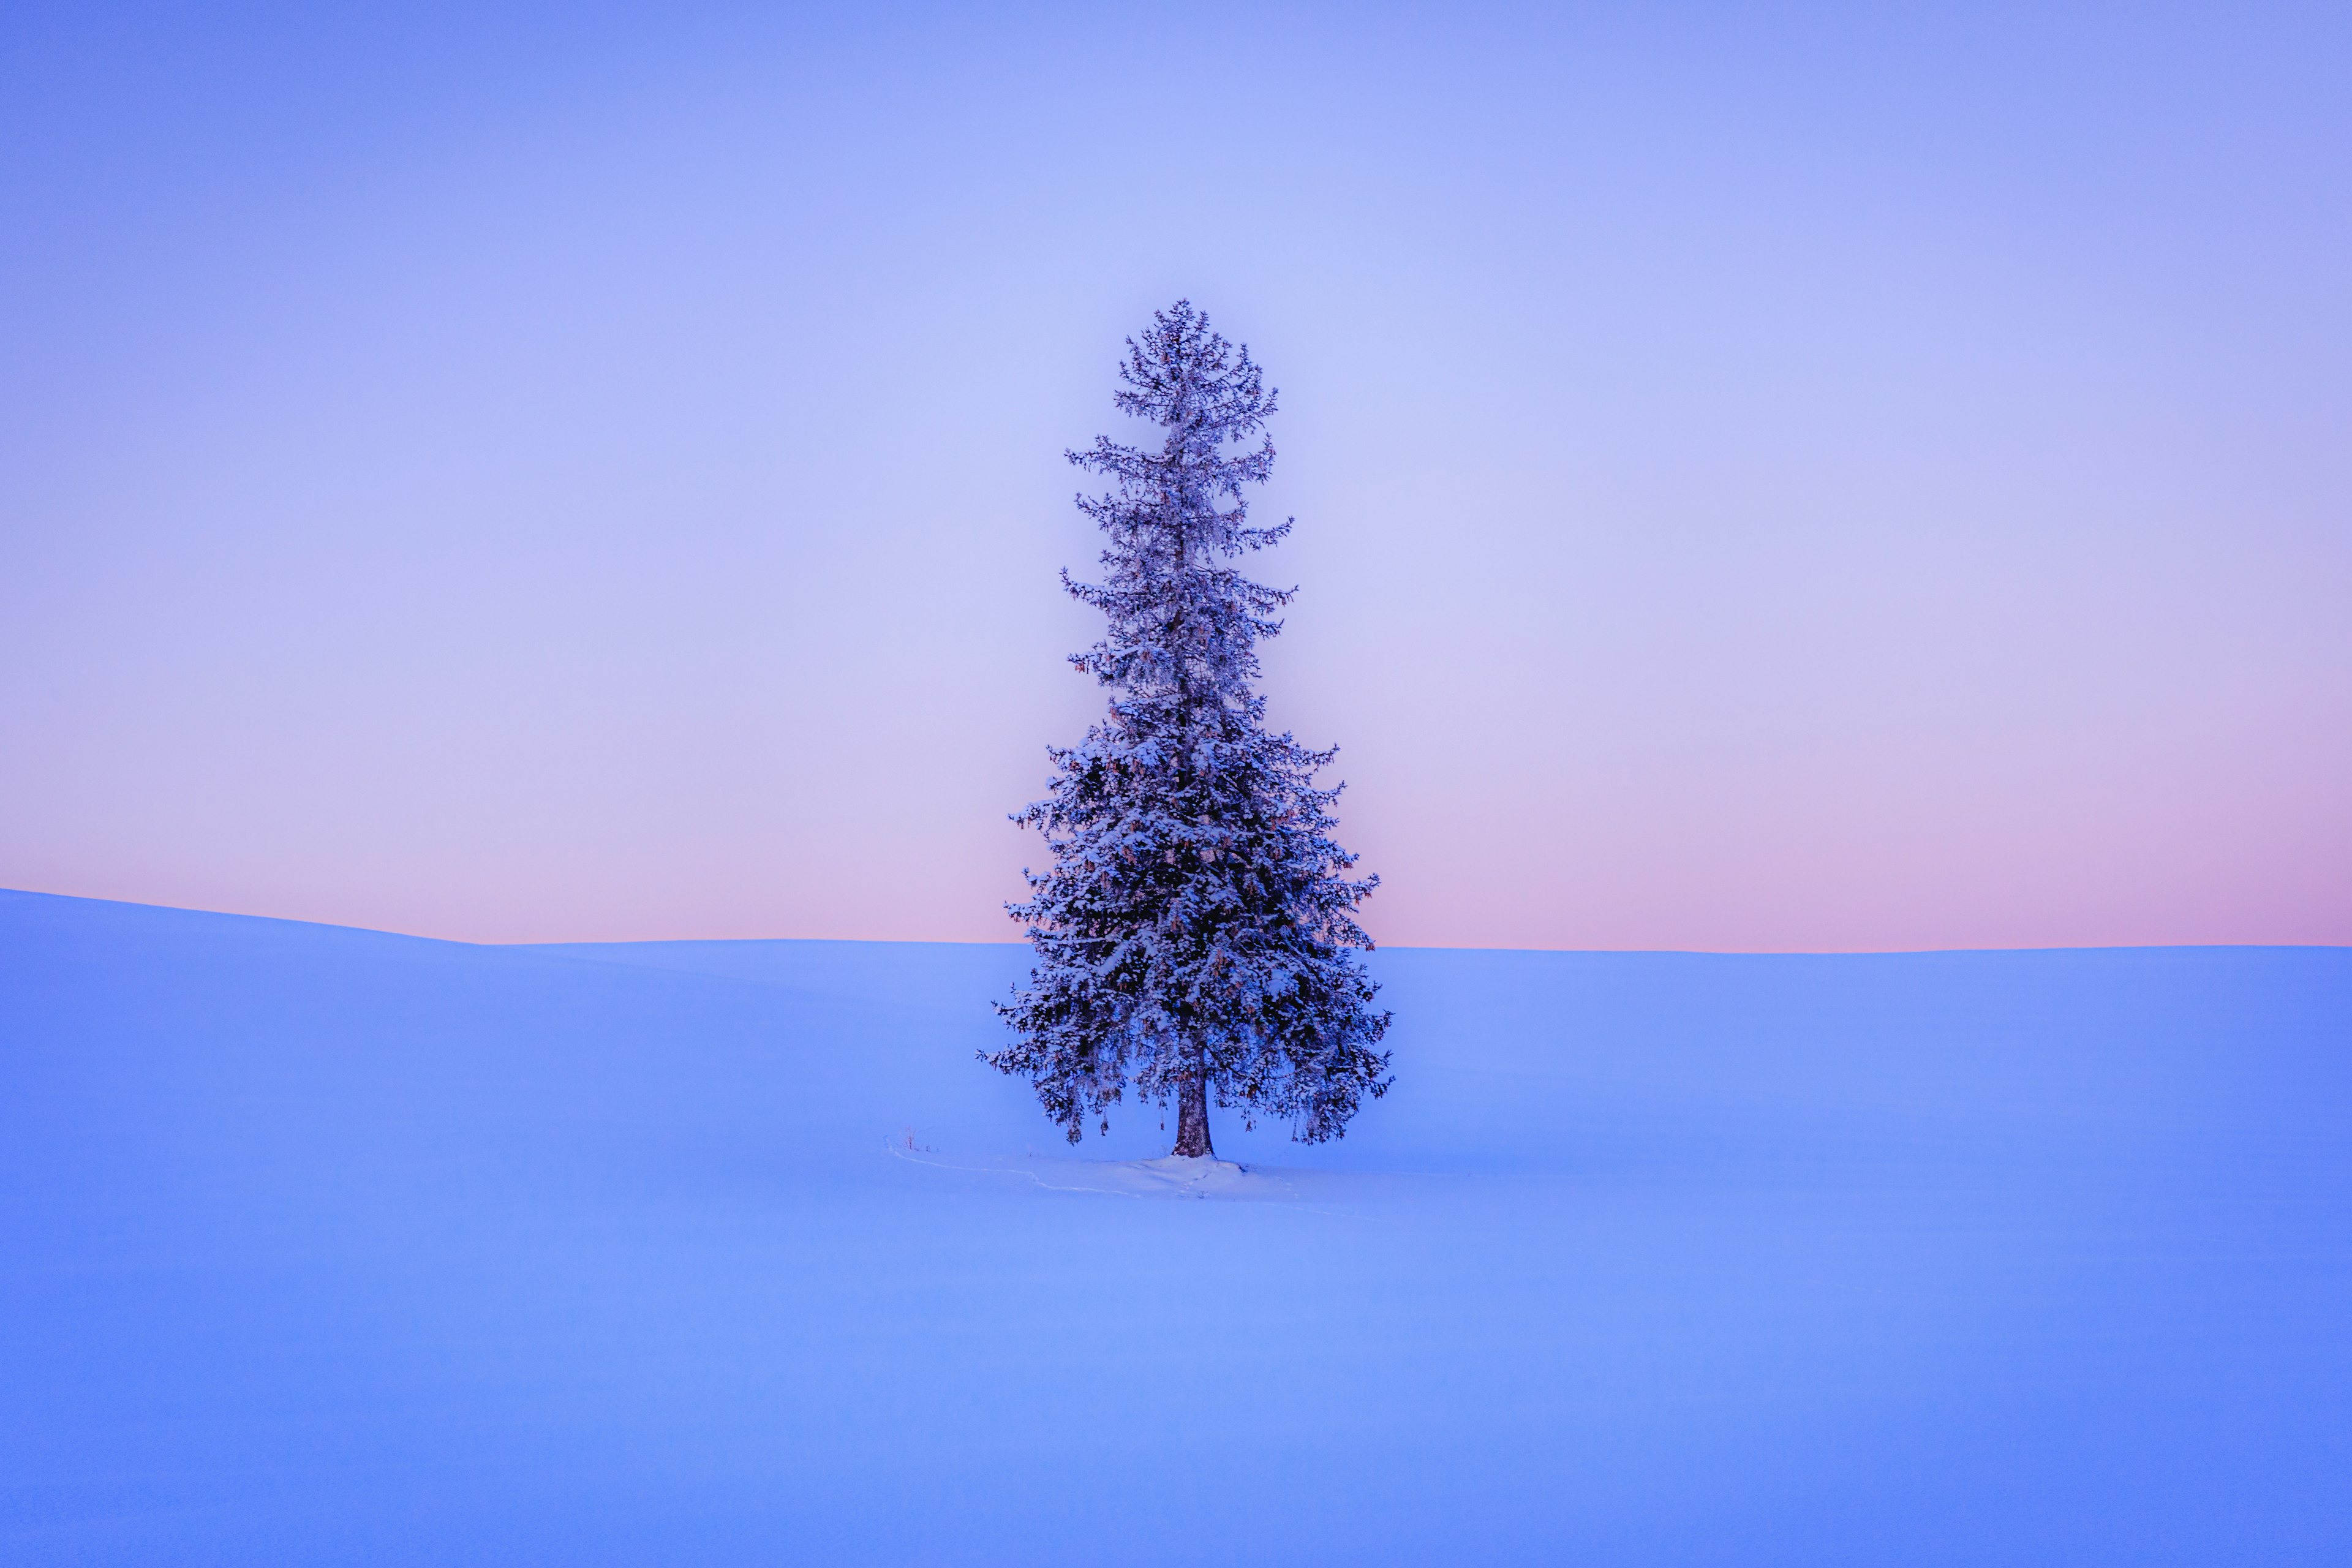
pixel 1810 480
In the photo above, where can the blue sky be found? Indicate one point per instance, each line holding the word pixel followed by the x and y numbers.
pixel 1791 478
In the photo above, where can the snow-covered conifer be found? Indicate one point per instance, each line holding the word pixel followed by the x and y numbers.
pixel 1196 934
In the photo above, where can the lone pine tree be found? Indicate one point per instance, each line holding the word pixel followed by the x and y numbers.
pixel 1196 934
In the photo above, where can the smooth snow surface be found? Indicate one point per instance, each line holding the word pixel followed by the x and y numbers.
pixel 326 1246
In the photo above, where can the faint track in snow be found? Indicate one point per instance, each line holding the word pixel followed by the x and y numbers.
pixel 1223 1181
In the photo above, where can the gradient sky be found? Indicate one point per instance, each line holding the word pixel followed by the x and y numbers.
pixel 1766 479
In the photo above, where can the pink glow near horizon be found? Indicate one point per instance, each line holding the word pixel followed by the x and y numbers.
pixel 1754 492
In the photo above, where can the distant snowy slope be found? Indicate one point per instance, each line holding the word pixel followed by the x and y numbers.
pixel 330 1246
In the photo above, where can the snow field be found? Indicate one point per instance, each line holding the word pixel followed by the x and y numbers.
pixel 331 1246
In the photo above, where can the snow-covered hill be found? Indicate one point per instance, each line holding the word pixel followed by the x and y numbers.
pixel 321 1246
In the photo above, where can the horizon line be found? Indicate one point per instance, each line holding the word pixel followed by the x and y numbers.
pixel 1384 947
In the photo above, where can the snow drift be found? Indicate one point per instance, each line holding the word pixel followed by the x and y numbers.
pixel 324 1245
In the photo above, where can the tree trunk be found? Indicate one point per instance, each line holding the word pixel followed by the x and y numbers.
pixel 1192 1119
